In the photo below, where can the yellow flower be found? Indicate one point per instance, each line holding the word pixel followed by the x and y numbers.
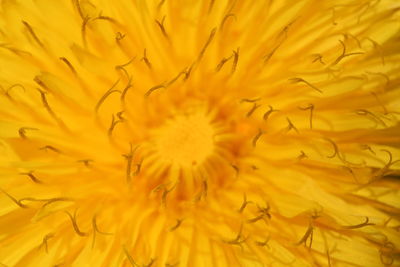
pixel 199 133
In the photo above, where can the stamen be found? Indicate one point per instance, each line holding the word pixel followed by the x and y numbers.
pixel 359 225
pixel 188 72
pixel 22 131
pixel 162 28
pixel 387 253
pixel 130 259
pixel 385 111
pixel 257 137
pixel 236 168
pixel 291 126
pixel 210 7
pixel 78 7
pixel 41 84
pixel 382 172
pixel 32 33
pixel 138 168
pixel 227 16
pixel 176 78
pixel 7 92
pixel 52 200
pixel 251 111
pixel 300 80
pixel 119 36
pixel 107 94
pixel 347 35
pixel 318 57
pixel 363 11
pixel 160 4
pixel 146 60
pixel 262 243
pixel 335 147
pixel 203 50
pixel 114 122
pixel 75 225
pixel 377 47
pixel 44 242
pixel 122 67
pixel 239 240
pixel 221 64
pixel 127 87
pixel 48 200
pixel 285 29
pixel 178 223
pixel 268 113
pixel 66 61
pixel 203 192
pixel 96 230
pixel 50 110
pixel 129 159
pixel 235 60
pixel 86 162
pixel 16 51
pixel 268 56
pixel 150 263
pixel 302 155
pixel 343 55
pixel 307 235
pixel 367 147
pixel 205 188
pixel 375 118
pixel 152 89
pixel 311 108
pixel 256 219
pixel 264 211
pixel 249 100
pixel 83 30
pixel 244 204
pixel 51 148
pixel 32 177
pixel 107 18
pixel 18 202
pixel 165 194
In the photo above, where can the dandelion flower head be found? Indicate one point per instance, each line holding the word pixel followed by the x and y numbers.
pixel 199 133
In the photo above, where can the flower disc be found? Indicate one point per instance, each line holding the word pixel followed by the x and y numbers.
pixel 199 133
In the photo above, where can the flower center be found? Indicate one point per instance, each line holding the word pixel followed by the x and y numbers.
pixel 186 139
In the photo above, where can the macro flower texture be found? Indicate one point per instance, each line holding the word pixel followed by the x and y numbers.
pixel 163 133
